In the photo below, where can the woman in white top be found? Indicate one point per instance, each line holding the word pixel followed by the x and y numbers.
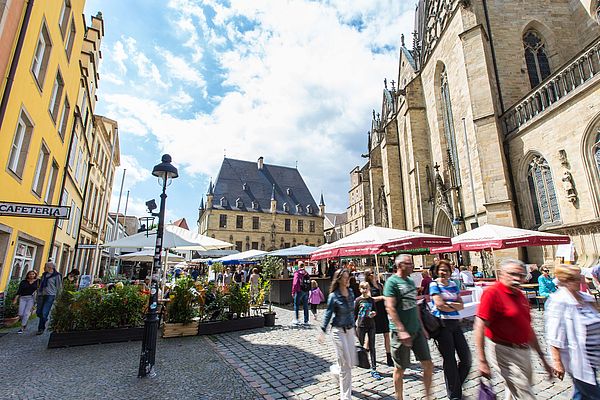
pixel 466 277
pixel 573 333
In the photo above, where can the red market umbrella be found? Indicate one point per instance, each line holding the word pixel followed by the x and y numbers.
pixel 496 237
pixel 376 240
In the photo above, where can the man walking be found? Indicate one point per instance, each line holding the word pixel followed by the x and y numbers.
pixel 50 287
pixel 300 289
pixel 405 323
pixel 504 318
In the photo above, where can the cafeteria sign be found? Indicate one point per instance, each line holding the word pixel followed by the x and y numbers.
pixel 34 210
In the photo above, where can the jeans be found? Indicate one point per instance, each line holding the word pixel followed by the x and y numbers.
pixel 43 310
pixel 370 333
pixel 585 391
pixel 343 340
pixel 301 298
pixel 451 341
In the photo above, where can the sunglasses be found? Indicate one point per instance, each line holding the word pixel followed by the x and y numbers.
pixel 545 270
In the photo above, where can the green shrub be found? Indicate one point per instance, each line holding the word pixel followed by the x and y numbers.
pixel 11 310
pixel 239 299
pixel 182 307
pixel 91 308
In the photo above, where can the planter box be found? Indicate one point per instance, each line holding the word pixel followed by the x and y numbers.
pixel 82 338
pixel 230 325
pixel 170 329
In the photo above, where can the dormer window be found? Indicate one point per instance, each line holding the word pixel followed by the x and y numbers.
pixel 245 186
pixel 289 191
pixel 223 202
pixel 286 207
pixel 239 203
pixel 298 208
pixel 255 205
pixel 309 209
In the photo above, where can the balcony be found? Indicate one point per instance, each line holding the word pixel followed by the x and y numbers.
pixel 581 69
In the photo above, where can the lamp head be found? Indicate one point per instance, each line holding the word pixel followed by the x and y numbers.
pixel 165 170
pixel 151 204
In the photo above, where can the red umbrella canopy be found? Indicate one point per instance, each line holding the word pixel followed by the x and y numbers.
pixel 501 237
pixel 376 240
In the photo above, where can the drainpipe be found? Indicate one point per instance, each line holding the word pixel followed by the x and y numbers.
pixel 15 61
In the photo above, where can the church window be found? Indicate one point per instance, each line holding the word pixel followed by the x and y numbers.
pixel 596 150
pixel 449 128
pixel 542 191
pixel 538 67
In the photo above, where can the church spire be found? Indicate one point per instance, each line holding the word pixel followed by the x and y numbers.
pixel 321 206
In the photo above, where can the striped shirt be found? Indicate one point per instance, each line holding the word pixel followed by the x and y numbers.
pixel 573 329
pixel 450 292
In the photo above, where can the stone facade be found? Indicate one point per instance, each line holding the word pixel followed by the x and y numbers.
pixel 247 218
pixel 358 214
pixel 494 119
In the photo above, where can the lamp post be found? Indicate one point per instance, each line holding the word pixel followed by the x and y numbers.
pixel 164 172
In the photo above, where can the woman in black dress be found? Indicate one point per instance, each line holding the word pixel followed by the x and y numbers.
pixel 382 324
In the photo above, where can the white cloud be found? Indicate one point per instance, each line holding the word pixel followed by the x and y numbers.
pixel 302 79
pixel 119 56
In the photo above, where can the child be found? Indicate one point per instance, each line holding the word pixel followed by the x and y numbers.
pixel 315 297
pixel 364 311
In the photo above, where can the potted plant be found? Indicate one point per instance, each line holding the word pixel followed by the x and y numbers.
pixel 11 311
pixel 182 309
pixel 270 269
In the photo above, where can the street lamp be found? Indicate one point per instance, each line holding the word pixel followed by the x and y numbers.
pixel 165 172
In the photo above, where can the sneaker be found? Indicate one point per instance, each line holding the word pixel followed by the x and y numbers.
pixel 295 322
pixel 375 375
pixel 20 331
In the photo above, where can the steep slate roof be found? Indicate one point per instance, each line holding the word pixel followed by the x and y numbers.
pixel 259 187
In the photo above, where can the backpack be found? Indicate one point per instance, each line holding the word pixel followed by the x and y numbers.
pixel 305 283
pixel 432 324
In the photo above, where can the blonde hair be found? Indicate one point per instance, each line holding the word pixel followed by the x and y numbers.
pixel 567 272
pixel 314 284
pixel 364 285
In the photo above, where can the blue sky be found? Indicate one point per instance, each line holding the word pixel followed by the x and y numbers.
pixel 289 80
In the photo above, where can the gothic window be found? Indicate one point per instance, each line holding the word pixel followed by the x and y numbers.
pixel 542 191
pixel 538 67
pixel 449 128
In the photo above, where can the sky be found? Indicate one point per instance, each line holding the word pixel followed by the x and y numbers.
pixel 293 81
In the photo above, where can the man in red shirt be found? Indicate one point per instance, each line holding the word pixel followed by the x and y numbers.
pixel 503 317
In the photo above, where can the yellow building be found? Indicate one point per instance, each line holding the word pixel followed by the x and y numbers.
pixel 262 207
pixel 80 161
pixel 36 128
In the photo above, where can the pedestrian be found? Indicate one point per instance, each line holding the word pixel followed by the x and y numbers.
pixel 503 318
pixel 49 288
pixel 433 267
pixel 407 330
pixel 467 277
pixel 340 312
pixel 545 282
pixel 238 276
pixel 227 277
pixel 476 272
pixel 364 313
pixel 73 278
pixel 300 289
pixel 254 283
pixel 425 282
pixel 382 323
pixel 447 303
pixel 315 297
pixel 26 297
pixel 573 333
pixel 534 274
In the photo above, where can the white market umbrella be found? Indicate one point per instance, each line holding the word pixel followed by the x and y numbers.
pixel 174 237
pixel 243 256
pixel 147 255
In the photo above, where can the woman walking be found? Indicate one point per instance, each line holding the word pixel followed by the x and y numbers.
pixel 573 333
pixel 382 324
pixel 340 312
pixel 447 302
pixel 26 297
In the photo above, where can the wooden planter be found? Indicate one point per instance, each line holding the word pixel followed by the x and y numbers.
pixel 171 329
pixel 230 325
pixel 82 338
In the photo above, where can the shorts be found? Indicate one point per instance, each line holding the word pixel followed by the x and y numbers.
pixel 401 353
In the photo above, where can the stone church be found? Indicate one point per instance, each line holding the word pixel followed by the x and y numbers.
pixel 494 118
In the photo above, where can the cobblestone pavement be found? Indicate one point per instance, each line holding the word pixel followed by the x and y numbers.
pixel 287 362
pixel 188 368
pixel 282 362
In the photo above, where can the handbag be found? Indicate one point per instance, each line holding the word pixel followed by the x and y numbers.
pixel 362 358
pixel 432 324
pixel 486 392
